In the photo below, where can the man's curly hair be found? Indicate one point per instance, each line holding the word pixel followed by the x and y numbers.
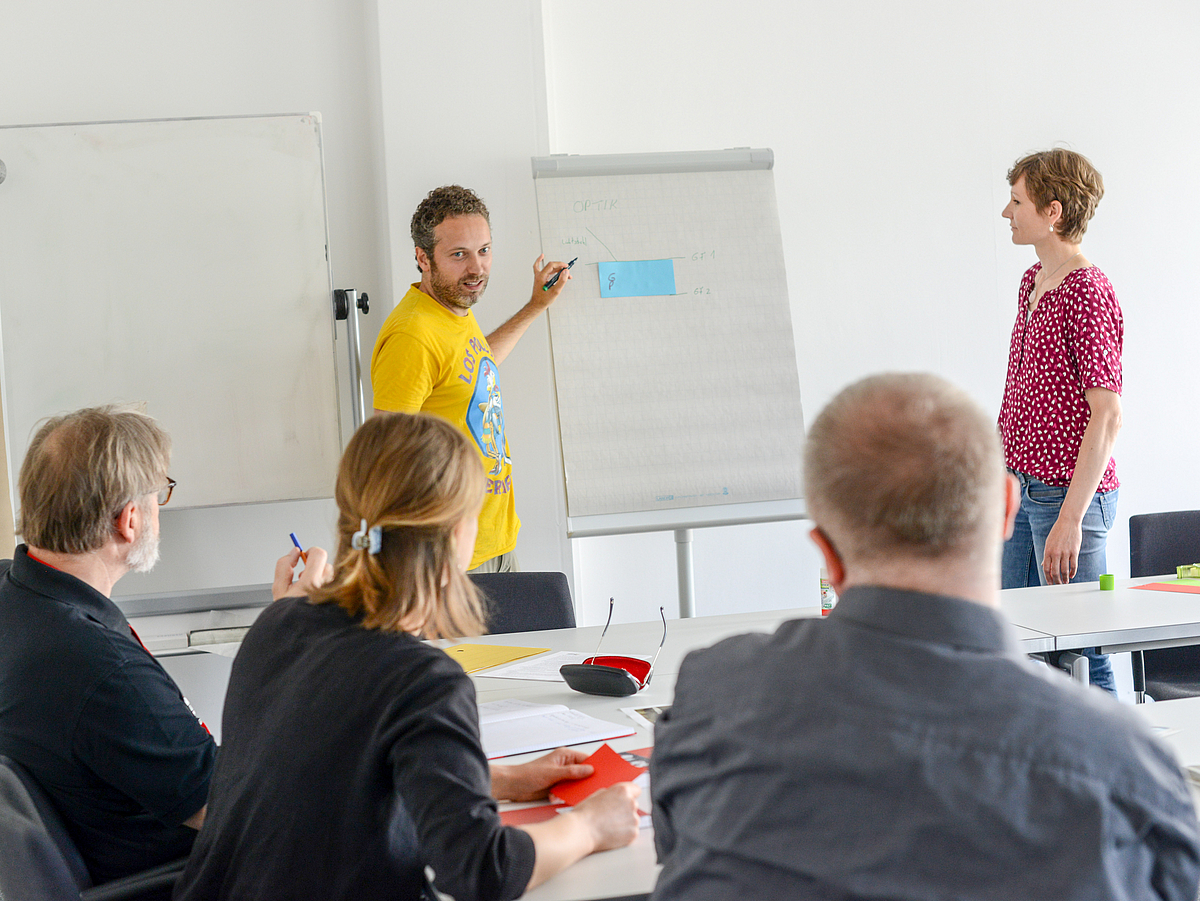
pixel 440 203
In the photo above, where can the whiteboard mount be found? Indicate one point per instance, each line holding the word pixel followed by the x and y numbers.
pixel 345 299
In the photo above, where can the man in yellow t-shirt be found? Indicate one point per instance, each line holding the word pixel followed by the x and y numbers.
pixel 431 355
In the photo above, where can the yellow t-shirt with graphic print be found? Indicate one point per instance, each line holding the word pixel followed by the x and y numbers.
pixel 429 360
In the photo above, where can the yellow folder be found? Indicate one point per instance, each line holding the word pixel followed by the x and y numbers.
pixel 473 657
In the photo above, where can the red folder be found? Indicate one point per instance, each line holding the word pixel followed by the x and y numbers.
pixel 608 767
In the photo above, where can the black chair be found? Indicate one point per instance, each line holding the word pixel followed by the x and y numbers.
pixel 39 860
pixel 526 602
pixel 1159 542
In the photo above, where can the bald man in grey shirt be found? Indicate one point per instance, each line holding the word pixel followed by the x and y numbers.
pixel 904 747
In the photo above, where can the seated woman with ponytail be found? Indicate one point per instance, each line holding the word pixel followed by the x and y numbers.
pixel 350 759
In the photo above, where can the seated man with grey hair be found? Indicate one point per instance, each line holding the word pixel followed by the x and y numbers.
pixel 904 747
pixel 84 707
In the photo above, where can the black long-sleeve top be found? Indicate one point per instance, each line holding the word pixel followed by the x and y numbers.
pixel 350 760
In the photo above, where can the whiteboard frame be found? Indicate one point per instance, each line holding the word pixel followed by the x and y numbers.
pixel 685 518
pixel 11 472
pixel 735 159
pixel 673 519
pixel 680 520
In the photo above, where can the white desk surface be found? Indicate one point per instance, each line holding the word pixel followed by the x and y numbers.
pixel 1180 720
pixel 684 635
pixel 1125 619
pixel 633 870
pixel 628 870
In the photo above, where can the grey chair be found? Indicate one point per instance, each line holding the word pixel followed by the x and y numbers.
pixel 526 601
pixel 1159 542
pixel 39 860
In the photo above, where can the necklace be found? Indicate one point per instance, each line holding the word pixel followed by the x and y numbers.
pixel 1043 278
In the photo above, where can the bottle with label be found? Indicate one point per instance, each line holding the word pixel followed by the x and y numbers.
pixel 828 595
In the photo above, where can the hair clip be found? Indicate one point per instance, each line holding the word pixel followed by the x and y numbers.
pixel 371 539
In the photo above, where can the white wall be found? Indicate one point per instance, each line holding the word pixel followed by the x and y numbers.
pixel 463 102
pixel 71 61
pixel 893 126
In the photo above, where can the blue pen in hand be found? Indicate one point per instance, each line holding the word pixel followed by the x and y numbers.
pixel 554 278
pixel 296 541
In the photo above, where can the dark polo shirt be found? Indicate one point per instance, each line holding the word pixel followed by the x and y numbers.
pixel 904 747
pixel 97 721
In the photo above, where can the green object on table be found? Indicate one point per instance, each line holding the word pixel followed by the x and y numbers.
pixel 1108 582
pixel 1188 571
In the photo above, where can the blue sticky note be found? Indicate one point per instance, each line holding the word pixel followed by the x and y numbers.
pixel 637 278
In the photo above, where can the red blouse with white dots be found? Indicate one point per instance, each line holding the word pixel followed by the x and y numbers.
pixel 1070 343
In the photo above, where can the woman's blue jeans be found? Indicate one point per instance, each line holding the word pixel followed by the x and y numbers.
pixel 1022 562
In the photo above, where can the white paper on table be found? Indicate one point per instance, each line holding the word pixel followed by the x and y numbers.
pixel 519 727
pixel 542 668
pixel 641 715
pixel 514 708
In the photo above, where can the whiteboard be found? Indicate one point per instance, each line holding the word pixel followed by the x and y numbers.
pixel 672 401
pixel 180 264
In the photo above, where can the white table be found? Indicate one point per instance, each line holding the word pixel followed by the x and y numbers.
pixel 1125 619
pixel 1180 720
pixel 628 870
pixel 632 870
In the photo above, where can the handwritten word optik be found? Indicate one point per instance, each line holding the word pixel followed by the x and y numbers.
pixel 583 206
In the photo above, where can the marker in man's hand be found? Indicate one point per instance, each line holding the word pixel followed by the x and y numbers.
pixel 296 541
pixel 554 278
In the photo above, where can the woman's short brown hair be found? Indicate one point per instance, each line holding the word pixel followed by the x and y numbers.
pixel 1065 176
pixel 81 469
pixel 416 477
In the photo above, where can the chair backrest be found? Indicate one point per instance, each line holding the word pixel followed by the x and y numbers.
pixel 526 601
pixel 38 859
pixel 1159 542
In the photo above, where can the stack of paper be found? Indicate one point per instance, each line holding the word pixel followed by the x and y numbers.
pixel 520 727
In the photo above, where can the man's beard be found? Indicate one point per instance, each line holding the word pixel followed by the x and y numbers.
pixel 144 553
pixel 451 293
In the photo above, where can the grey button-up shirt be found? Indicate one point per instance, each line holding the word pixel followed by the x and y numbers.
pixel 905 748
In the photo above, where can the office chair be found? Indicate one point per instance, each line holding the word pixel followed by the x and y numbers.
pixel 39 860
pixel 1159 542
pixel 526 602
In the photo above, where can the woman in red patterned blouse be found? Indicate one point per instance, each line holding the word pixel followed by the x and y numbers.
pixel 1062 396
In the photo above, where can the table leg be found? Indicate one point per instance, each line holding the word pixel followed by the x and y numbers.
pixel 1139 677
pixel 1077 665
pixel 685 572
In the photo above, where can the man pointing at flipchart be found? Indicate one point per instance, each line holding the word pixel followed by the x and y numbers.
pixel 431 355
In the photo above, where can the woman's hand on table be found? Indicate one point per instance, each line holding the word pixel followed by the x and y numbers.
pixel 532 781
pixel 612 815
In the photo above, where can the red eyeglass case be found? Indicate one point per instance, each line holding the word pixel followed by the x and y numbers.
pixel 593 679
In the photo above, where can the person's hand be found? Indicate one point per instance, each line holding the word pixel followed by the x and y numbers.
pixel 317 572
pixel 532 781
pixel 611 815
pixel 1060 561
pixel 542 273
